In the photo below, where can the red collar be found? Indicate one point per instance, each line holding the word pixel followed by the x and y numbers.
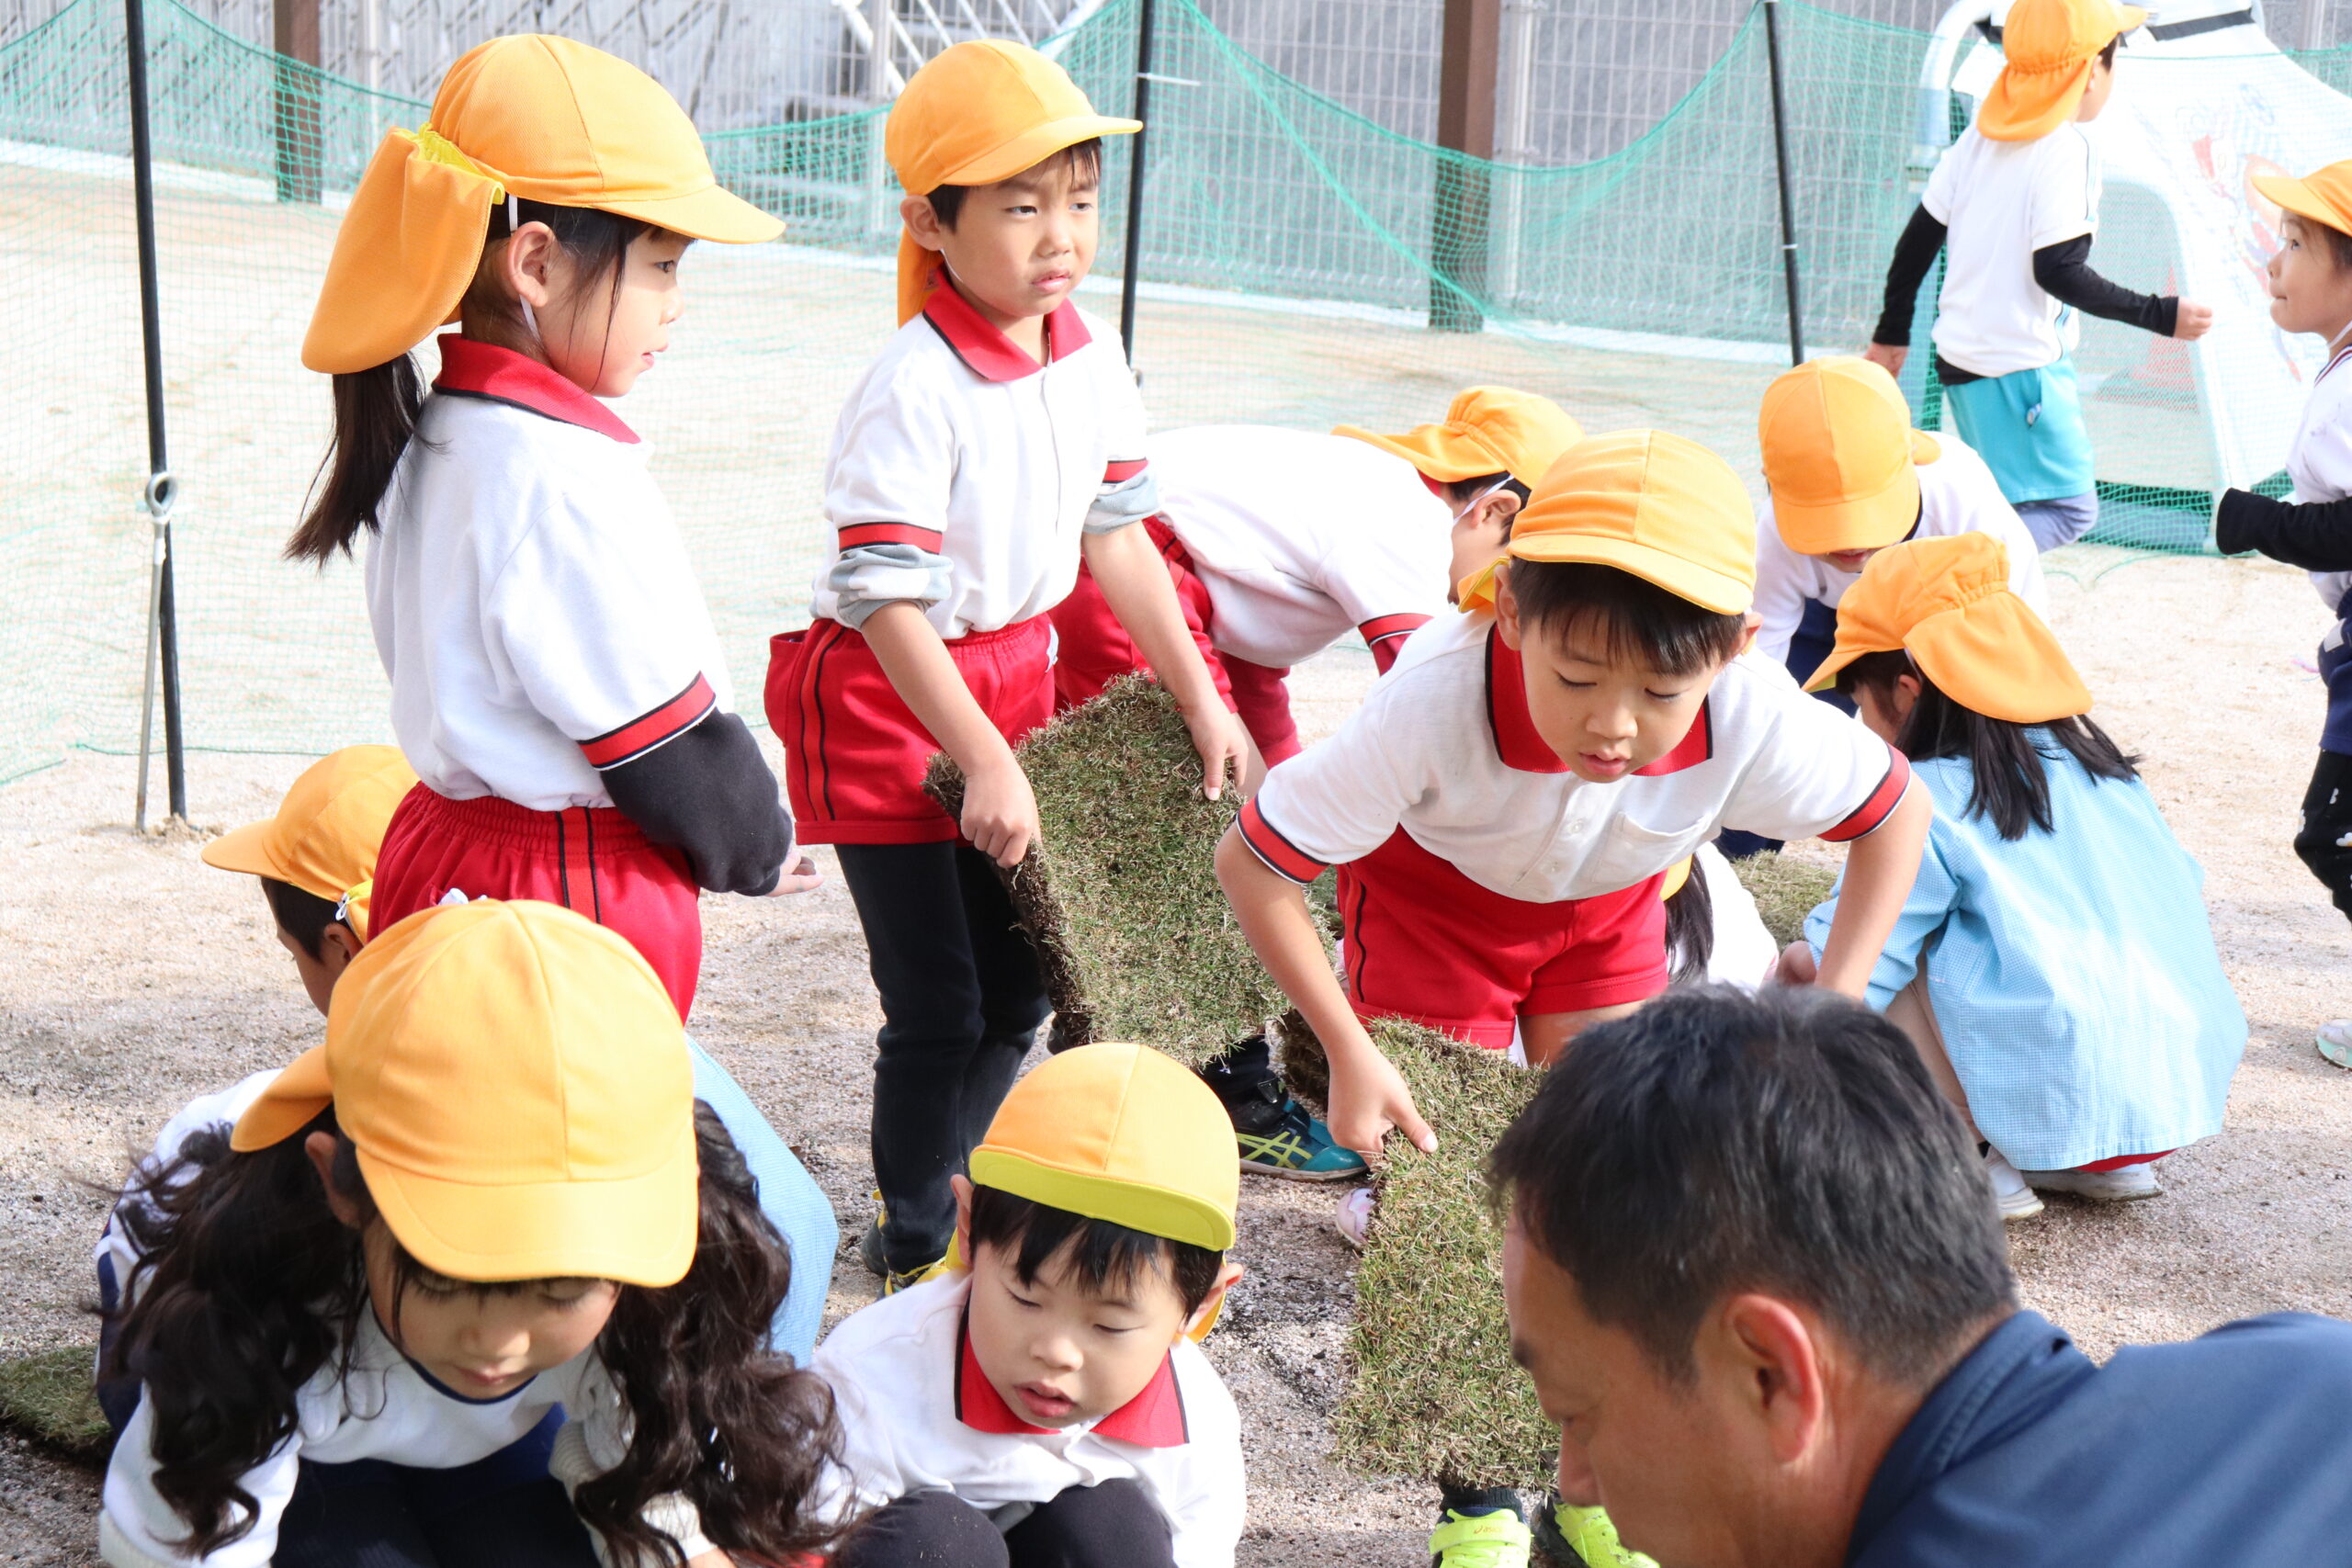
pixel 1519 745
pixel 1152 1419
pixel 988 353
pixel 474 369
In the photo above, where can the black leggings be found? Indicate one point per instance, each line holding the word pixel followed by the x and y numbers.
pixel 1115 1525
pixel 961 1001
pixel 2327 827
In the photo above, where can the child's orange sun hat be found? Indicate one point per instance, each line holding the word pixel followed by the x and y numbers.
pixel 531 116
pixel 1486 430
pixel 327 830
pixel 2324 195
pixel 1841 457
pixel 1646 501
pixel 1948 603
pixel 975 114
pixel 2047 46
pixel 517 1086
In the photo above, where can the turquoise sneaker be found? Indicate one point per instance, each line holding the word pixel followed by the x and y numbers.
pixel 1480 1538
pixel 1582 1537
pixel 1295 1146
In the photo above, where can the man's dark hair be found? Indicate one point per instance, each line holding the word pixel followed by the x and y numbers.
pixel 1461 492
pixel 1086 158
pixel 1102 1256
pixel 1637 619
pixel 2107 55
pixel 1790 1143
pixel 300 913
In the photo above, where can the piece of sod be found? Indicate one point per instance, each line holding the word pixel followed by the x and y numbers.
pixel 49 1398
pixel 1785 891
pixel 1120 893
pixel 1433 1392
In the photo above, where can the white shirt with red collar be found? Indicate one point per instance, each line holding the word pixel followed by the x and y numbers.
pixel 963 473
pixel 1445 747
pixel 918 1413
pixel 531 596
pixel 1303 537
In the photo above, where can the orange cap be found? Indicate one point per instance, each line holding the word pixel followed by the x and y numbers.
pixel 517 1085
pixel 2047 46
pixel 1487 430
pixel 978 113
pixel 1659 506
pixel 531 116
pixel 1841 457
pixel 1948 602
pixel 329 826
pixel 1122 1133
pixel 2324 195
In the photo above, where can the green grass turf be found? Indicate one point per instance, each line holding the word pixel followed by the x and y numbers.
pixel 49 1399
pixel 1120 894
pixel 1785 891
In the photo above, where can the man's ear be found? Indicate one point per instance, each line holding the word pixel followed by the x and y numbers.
pixel 1769 1352
pixel 1506 609
pixel 321 1147
pixel 922 219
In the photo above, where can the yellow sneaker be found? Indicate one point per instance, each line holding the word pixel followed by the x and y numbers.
pixel 1493 1537
pixel 1570 1536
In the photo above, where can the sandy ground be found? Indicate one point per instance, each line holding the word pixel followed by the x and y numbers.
pixel 132 977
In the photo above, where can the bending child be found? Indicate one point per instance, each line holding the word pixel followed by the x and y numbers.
pixel 556 680
pixel 2053 964
pixel 420 1300
pixel 995 444
pixel 2016 200
pixel 1047 1404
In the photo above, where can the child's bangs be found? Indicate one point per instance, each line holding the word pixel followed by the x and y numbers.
pixel 1097 1257
pixel 1590 609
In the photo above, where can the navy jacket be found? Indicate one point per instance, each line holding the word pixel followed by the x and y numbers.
pixel 2234 1449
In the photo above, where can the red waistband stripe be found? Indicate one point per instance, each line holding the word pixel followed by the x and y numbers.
pixel 1380 627
pixel 1285 858
pixel 858 533
pixel 641 734
pixel 1120 473
pixel 1866 816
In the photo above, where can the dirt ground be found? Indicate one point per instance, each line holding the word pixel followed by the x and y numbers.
pixel 132 977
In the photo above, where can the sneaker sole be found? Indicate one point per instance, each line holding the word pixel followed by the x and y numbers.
pixel 2011 1213
pixel 1281 1173
pixel 2104 1197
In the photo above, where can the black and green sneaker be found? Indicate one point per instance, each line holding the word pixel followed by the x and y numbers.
pixel 871 1253
pixel 1276 1134
pixel 1582 1537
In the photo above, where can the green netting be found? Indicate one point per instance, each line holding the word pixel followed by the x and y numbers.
pixel 1302 268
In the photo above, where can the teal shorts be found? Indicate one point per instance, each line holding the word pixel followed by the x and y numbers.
pixel 2028 426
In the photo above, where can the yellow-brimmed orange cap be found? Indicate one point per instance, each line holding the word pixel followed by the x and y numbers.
pixel 1122 1133
pixel 329 826
pixel 1947 602
pixel 1655 504
pixel 531 116
pixel 1489 430
pixel 1841 457
pixel 2047 46
pixel 2324 195
pixel 978 113
pixel 517 1085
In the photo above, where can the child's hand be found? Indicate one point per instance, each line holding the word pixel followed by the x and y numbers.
pixel 1796 966
pixel 1218 736
pixel 1369 1099
pixel 1888 357
pixel 1000 813
pixel 800 876
pixel 2191 321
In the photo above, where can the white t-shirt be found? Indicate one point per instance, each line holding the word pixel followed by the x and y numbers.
pixel 1958 494
pixel 1444 747
pixel 2320 462
pixel 386 1408
pixel 918 1413
pixel 1999 202
pixel 531 597
pixel 1301 537
pixel 962 471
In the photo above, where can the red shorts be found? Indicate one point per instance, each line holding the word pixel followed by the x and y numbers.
pixel 1424 942
pixel 855 755
pixel 1093 650
pixel 592 860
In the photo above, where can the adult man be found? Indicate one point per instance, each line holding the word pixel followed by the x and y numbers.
pixel 1756 1275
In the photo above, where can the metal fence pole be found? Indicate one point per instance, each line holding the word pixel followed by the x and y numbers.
pixel 1145 18
pixel 1469 53
pixel 1780 162
pixel 294 99
pixel 162 637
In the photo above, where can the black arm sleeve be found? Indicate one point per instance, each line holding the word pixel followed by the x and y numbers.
pixel 709 794
pixel 2316 536
pixel 2064 270
pixel 1913 254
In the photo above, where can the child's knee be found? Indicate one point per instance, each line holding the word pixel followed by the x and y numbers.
pixel 1114 1522
pixel 930 1527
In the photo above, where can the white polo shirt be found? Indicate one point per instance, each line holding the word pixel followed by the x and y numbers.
pixel 2320 462
pixel 531 597
pixel 1302 537
pixel 1444 747
pixel 962 471
pixel 1958 494
pixel 917 1413
pixel 1999 202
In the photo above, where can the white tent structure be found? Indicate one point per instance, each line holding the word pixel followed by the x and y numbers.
pixel 2203 101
